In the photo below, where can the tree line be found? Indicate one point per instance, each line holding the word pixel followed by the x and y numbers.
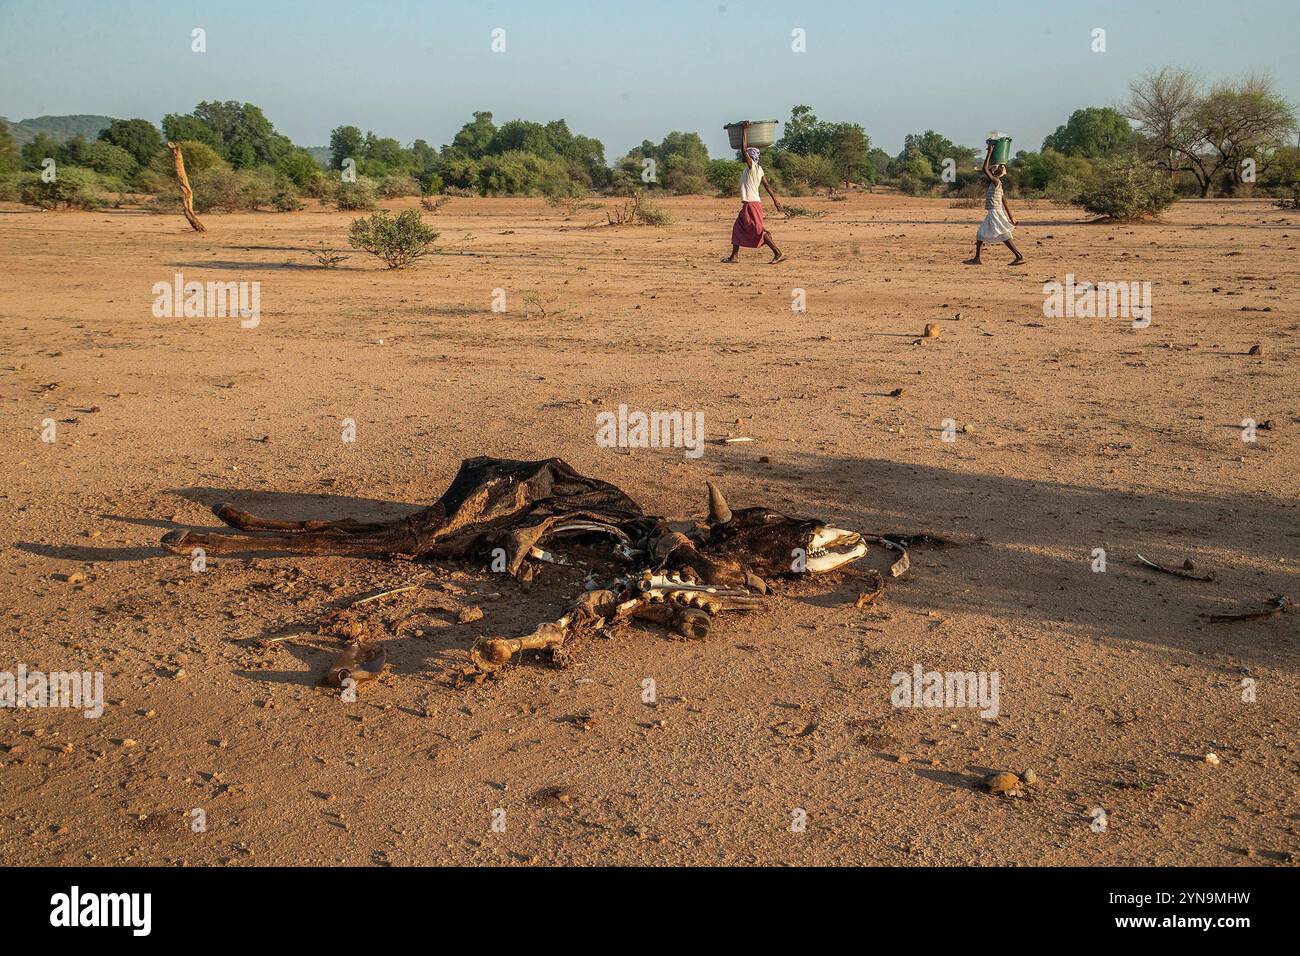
pixel 1174 135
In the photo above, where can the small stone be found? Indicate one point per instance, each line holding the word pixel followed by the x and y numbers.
pixel 898 393
pixel 1256 350
pixel 1212 759
pixel 469 614
pixel 127 742
pixel 904 758
pixel 1029 777
pixel 76 577
pixel 931 331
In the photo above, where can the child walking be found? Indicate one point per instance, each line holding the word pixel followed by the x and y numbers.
pixel 998 223
pixel 749 230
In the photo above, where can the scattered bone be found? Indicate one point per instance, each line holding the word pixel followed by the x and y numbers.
pixel 1186 571
pixel 1277 605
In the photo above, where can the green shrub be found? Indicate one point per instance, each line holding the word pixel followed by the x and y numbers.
pixel 355 197
pixel 285 199
pixel 1065 190
pixel 321 186
pixel 813 170
pixel 398 242
pixel 222 189
pixel 391 187
pixel 724 175
pixel 1127 188
pixel 72 188
pixel 108 159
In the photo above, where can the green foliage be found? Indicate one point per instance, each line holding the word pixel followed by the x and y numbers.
pixel 1125 187
pixel 1092 132
pixel 391 187
pixel 286 199
pixel 359 196
pixel 72 188
pixel 398 242
pixel 298 167
pixel 1041 172
pixel 846 145
pixel 724 175
pixel 239 132
pixel 813 171
pixel 223 189
pixel 680 164
pixel 346 142
pixel 936 148
pixel 138 137
pixel 38 148
pixel 108 159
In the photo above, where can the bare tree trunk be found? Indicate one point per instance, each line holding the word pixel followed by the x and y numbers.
pixel 187 194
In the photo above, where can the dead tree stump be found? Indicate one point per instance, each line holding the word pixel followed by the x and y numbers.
pixel 187 194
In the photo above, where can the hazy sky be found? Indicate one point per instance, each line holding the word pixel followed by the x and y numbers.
pixel 626 71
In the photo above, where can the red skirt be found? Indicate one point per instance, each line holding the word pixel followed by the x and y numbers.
pixel 748 230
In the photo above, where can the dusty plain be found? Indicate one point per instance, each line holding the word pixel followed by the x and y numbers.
pixel 1081 434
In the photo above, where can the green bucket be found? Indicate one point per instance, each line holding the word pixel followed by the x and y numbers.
pixel 1002 150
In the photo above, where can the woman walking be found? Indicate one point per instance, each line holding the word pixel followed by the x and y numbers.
pixel 749 230
pixel 998 224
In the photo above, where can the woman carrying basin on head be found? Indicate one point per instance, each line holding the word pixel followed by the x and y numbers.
pixel 749 230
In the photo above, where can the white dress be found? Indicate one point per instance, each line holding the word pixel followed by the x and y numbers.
pixel 996 227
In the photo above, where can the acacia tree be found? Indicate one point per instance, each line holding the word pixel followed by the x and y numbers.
pixel 1208 135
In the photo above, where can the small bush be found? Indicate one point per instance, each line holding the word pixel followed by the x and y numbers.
pixel 73 188
pixel 222 189
pixel 394 187
pixel 399 242
pixel 429 204
pixel 320 186
pixel 1292 201
pixel 724 175
pixel 355 197
pixel 286 200
pixel 794 212
pixel 327 257
pixel 1064 191
pixel 1127 188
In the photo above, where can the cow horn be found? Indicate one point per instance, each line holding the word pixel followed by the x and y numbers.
pixel 719 513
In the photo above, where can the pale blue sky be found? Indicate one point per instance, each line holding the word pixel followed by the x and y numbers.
pixel 626 71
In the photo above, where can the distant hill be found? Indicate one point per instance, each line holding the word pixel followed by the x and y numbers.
pixel 60 128
pixel 321 154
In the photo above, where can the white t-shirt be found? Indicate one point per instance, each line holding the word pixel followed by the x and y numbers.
pixel 750 179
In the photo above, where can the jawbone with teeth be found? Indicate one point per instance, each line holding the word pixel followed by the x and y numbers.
pixel 831 548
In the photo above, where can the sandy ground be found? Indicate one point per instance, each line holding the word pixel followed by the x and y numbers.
pixel 1083 434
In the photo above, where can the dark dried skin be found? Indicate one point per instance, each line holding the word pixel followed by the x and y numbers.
pixel 513 505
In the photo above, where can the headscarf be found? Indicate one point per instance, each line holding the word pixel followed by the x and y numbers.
pixel 752 153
